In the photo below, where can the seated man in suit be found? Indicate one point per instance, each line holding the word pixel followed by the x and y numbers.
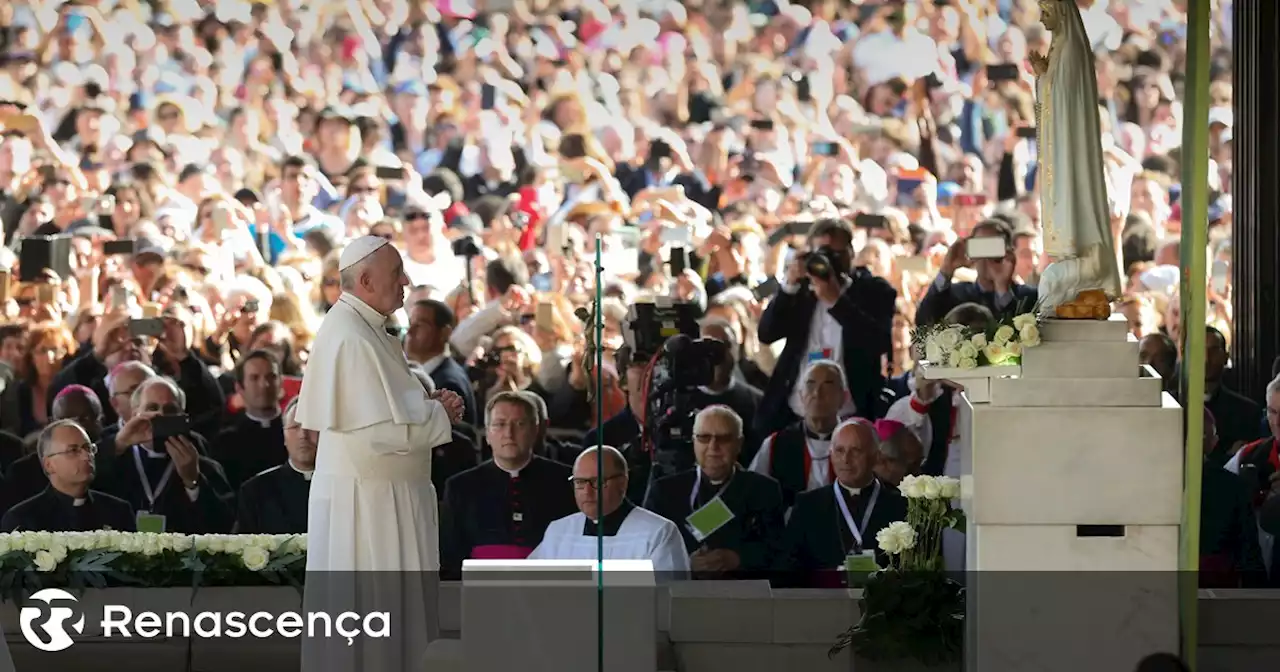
pixel 830 524
pixel 67 504
pixel 996 287
pixel 751 540
pixel 275 501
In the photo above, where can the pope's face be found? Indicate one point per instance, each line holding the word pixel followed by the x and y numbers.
pixel 387 281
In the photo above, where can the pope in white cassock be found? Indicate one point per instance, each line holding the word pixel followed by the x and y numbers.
pixel 630 532
pixel 372 523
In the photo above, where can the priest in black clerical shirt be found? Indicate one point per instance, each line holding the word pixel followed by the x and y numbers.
pixel 829 524
pixel 275 501
pixel 752 540
pixel 67 504
pixel 253 440
pixel 172 479
pixel 501 509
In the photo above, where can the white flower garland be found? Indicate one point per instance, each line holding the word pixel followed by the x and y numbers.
pixel 49 550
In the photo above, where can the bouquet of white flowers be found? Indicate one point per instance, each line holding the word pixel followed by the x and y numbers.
pixel 912 609
pixel 960 347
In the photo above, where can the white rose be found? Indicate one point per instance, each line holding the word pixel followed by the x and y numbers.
pixel 1030 336
pixel 978 340
pixel 1021 322
pixel 299 543
pixel 967 350
pixel 932 490
pixel 954 360
pixel 1003 334
pixel 896 538
pixel 152 545
pixel 254 558
pixel 45 561
pixel 5 544
pixel 59 550
pixel 30 542
pixel 948 339
pixel 182 543
pixel 911 487
pixel 968 363
pixel 933 353
pixel 995 353
pixel 950 487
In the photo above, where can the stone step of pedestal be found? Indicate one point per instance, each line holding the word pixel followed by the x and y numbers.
pixel 1065 392
pixel 1082 359
pixel 1109 330
pixel 1051 465
pixel 1073 548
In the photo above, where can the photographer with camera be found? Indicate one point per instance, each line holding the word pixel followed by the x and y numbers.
pixel 826 310
pixel 996 286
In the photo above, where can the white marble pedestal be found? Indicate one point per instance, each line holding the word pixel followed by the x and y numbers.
pixel 1072 485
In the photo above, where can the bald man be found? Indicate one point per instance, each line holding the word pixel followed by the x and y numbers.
pixel 630 532
pixel 858 505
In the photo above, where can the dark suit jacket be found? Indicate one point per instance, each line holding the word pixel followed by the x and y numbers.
pixel 213 512
pixel 451 376
pixel 865 313
pixel 52 511
pixel 1229 553
pixel 936 304
pixel 756 531
pixel 273 502
pixel 816 530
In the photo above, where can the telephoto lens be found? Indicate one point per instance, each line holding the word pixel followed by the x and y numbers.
pixel 818 265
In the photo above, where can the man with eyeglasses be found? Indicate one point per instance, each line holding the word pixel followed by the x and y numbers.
pixel 26 476
pixel 630 532
pixel 500 510
pixel 751 537
pixel 67 504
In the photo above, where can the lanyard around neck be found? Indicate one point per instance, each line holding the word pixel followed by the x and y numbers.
pixel 857 530
pixel 151 495
pixel 697 484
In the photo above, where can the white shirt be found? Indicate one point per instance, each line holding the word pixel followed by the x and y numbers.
pixel 644 535
pixel 826 341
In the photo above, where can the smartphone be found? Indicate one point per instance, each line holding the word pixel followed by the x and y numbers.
pixel 678 261
pixel 389 172
pixel 804 91
pixel 250 306
pixel 985 247
pixel 150 310
pixel 165 427
pixel 825 149
pixel 1003 72
pixel 869 221
pixel 913 264
pixel 488 96
pixel 1028 132
pixel 762 124
pixel 125 246
pixel 46 293
pixel 1221 277
pixel 4 286
pixel 147 326
pixel 557 237
pixel 40 252
pixel 766 289
pixel 969 200
pixel 544 318
pixel 119 297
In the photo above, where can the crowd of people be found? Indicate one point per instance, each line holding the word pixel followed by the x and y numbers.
pixel 179 180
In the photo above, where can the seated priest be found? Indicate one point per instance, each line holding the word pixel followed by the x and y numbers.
pixel 630 532
pixel 500 509
pixel 830 524
pixel 167 479
pixel 67 504
pixel 738 527
pixel 26 476
pixel 798 457
pixel 275 501
pixel 252 440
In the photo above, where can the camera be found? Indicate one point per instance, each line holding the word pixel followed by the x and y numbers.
pixel 824 263
pixel 466 246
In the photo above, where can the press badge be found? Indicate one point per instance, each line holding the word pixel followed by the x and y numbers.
pixel 150 522
pixel 819 355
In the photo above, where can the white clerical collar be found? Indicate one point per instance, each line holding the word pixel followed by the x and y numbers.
pixel 514 472
pixel 369 313
pixel 306 473
pixel 265 421
pixel 855 491
pixel 78 501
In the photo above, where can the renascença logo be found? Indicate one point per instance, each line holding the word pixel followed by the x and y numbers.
pixel 44 623
pixel 45 627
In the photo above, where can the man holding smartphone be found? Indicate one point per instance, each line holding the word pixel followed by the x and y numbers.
pixel 989 249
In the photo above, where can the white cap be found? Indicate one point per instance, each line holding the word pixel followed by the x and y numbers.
pixel 359 249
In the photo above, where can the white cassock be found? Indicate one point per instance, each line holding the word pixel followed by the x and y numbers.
pixel 643 535
pixel 372 523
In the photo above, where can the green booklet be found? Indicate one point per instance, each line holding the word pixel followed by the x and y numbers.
pixel 705 521
pixel 150 522
pixel 859 567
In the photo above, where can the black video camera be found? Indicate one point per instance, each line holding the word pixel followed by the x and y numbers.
pixel 466 246
pixel 824 263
